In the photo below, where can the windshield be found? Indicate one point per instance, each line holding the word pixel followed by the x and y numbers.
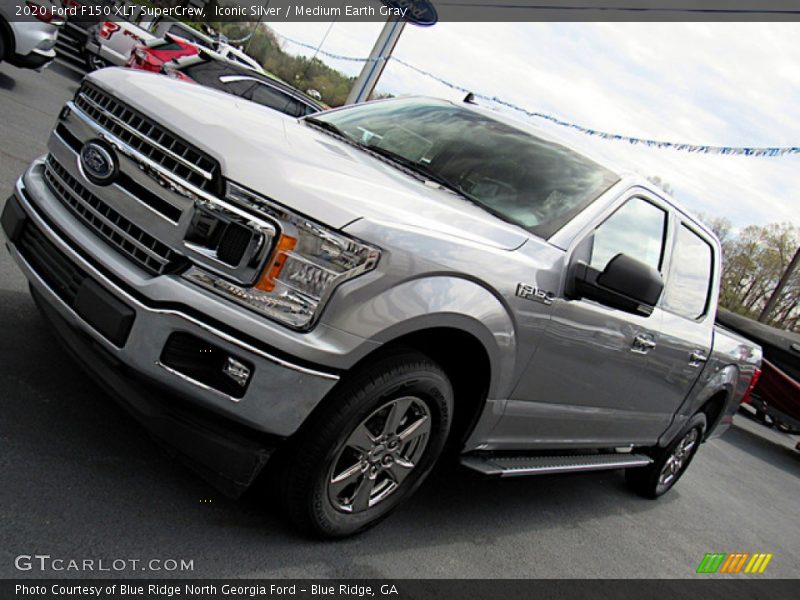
pixel 511 173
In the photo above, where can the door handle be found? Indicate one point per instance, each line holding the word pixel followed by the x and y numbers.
pixel 696 359
pixel 642 344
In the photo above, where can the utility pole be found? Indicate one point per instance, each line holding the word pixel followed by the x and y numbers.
pixel 773 299
pixel 373 68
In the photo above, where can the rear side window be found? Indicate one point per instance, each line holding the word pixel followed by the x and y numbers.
pixel 300 109
pixel 269 96
pixel 636 229
pixel 207 72
pixel 689 281
pixel 237 88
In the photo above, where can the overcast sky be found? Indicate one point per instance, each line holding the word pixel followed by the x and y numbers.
pixel 705 83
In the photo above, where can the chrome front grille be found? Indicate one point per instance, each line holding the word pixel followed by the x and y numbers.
pixel 149 138
pixel 125 236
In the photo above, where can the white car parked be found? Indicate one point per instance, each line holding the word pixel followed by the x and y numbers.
pixel 29 43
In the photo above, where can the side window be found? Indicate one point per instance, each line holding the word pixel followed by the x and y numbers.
pixel 636 229
pixel 268 96
pixel 689 279
pixel 237 88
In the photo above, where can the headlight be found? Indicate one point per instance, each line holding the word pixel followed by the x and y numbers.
pixel 307 263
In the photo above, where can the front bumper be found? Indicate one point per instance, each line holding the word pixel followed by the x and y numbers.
pixel 279 395
pixel 228 456
pixel 37 59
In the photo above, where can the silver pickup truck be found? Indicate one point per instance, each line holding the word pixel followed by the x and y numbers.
pixel 346 295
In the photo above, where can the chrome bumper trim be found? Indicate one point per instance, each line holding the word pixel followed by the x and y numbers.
pixel 122 294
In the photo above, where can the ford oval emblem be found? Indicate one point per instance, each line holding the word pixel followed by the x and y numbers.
pixel 98 163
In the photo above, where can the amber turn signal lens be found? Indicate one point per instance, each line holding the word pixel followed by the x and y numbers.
pixel 266 283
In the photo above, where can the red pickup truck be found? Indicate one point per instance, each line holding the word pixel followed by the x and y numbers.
pixel 776 395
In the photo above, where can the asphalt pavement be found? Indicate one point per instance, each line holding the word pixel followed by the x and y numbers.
pixel 81 480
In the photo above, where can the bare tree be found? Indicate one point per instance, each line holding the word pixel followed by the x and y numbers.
pixel 757 279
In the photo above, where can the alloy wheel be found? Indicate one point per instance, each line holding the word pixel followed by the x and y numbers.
pixel 379 455
pixel 678 458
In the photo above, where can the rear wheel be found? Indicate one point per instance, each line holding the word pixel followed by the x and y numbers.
pixel 369 447
pixel 669 463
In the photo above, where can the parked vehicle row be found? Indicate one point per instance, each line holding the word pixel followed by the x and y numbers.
pixel 112 42
pixel 182 52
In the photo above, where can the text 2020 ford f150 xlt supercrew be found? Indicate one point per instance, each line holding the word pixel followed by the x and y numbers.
pixel 343 294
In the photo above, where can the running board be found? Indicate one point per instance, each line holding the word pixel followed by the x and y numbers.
pixel 513 466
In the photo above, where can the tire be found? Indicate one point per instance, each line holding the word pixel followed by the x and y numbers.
pixel 655 480
pixel 94 62
pixel 2 46
pixel 349 466
pixel 764 418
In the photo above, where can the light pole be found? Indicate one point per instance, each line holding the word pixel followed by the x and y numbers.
pixel 373 68
pixel 418 12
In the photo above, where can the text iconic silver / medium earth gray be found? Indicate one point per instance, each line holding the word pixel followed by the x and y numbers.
pixel 340 297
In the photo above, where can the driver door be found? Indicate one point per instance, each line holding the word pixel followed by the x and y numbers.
pixel 581 384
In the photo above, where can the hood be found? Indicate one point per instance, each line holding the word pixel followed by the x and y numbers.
pixel 300 167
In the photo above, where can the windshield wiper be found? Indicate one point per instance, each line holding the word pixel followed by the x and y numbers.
pixel 423 170
pixel 326 125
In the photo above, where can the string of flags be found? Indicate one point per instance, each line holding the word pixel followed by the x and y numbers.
pixel 769 151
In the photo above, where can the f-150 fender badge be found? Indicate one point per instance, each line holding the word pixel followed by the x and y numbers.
pixel 531 292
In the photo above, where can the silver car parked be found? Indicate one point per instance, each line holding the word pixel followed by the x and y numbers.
pixel 27 40
pixel 341 295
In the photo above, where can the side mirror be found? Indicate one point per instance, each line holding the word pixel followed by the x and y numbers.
pixel 626 284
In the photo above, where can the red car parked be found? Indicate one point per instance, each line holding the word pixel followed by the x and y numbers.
pixel 152 55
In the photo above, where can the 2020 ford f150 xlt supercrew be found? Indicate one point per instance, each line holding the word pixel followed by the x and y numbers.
pixel 344 294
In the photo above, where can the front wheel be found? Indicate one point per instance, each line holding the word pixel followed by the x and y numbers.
pixel 369 447
pixel 669 463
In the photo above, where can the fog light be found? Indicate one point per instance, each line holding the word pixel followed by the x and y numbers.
pixel 237 371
